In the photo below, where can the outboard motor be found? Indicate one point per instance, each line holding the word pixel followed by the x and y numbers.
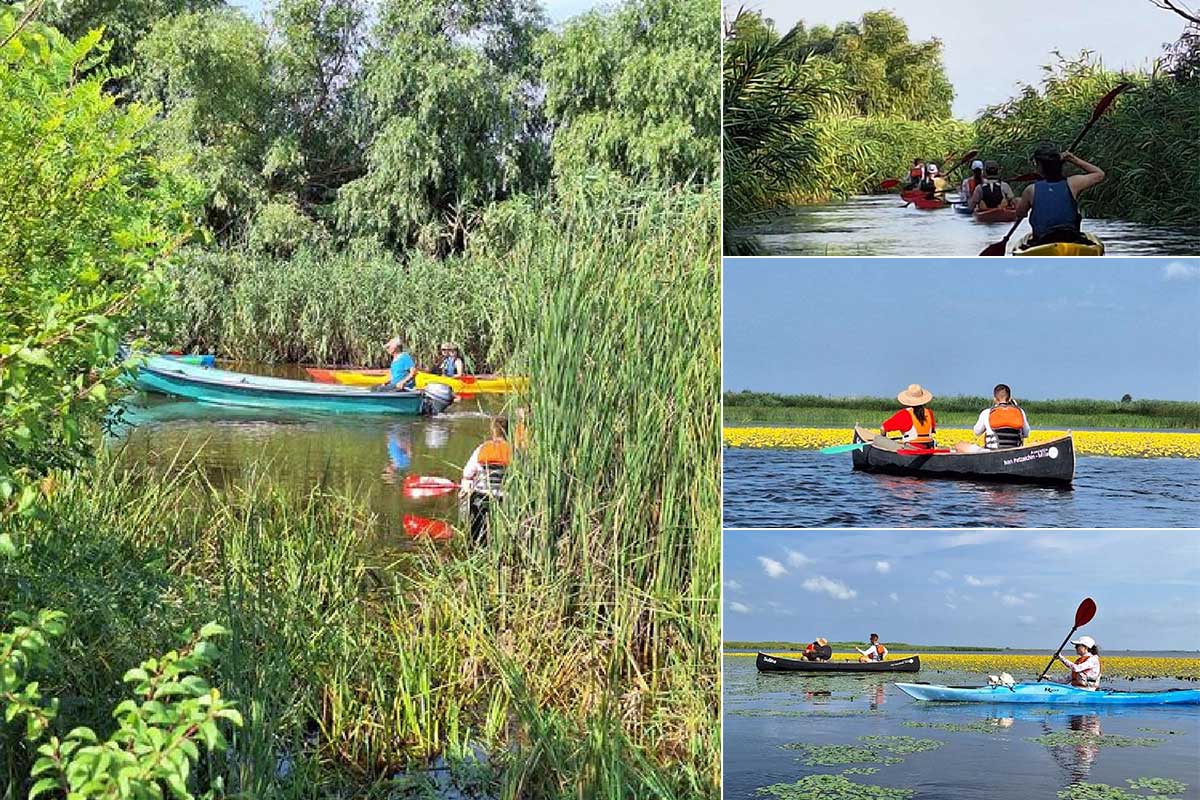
pixel 436 398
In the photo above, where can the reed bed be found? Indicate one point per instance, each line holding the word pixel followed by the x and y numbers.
pixel 574 654
pixel 1022 666
pixel 1089 443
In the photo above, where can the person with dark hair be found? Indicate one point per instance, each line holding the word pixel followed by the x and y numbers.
pixel 991 192
pixel 916 173
pixel 929 183
pixel 1051 203
pixel 874 652
pixel 1003 425
pixel 1085 669
pixel 914 422
pixel 972 181
pixel 819 650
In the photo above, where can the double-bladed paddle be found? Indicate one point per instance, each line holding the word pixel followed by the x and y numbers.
pixel 1083 615
pixel 844 448
pixel 999 247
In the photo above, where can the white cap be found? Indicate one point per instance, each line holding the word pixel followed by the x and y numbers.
pixel 977 164
pixel 931 168
pixel 1086 641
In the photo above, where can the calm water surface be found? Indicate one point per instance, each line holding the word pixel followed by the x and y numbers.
pixel 803 488
pixel 876 225
pixel 992 761
pixel 367 455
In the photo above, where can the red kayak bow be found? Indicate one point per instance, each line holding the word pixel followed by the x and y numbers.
pixel 417 527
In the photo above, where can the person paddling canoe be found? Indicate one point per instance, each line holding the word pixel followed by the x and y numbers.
pixel 914 422
pixel 818 650
pixel 1001 426
pixel 916 173
pixel 972 181
pixel 1051 203
pixel 402 375
pixel 874 652
pixel 993 192
pixel 1085 669
pixel 452 364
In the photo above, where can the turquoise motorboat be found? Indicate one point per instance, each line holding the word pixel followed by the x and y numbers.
pixel 222 387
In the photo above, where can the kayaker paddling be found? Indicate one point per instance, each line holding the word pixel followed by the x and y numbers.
pixel 818 650
pixel 915 423
pixel 452 365
pixel 972 181
pixel 1002 426
pixel 916 173
pixel 483 477
pixel 874 652
pixel 1085 669
pixel 1051 203
pixel 992 193
pixel 402 374
pixel 928 183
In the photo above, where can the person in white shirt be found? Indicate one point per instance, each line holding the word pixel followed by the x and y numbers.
pixel 874 652
pixel 1085 669
pixel 1001 426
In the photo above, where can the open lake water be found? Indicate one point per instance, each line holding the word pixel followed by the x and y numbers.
pixel 877 225
pixel 778 488
pixel 986 754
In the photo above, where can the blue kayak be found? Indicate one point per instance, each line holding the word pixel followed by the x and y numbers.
pixel 1051 693
pixel 222 387
pixel 962 208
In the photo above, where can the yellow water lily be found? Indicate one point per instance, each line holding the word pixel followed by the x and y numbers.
pixel 1023 666
pixel 1132 444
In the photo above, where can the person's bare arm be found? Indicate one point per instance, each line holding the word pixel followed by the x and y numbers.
pixel 1025 202
pixel 1090 177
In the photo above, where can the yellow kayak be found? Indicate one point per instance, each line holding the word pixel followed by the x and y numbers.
pixel 1095 247
pixel 467 384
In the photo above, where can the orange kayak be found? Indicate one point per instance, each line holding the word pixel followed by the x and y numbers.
pixel 996 215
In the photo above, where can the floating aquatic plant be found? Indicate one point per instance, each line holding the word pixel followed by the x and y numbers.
pixel 1164 788
pixel 901 745
pixel 982 726
pixel 1077 738
pixel 1159 785
pixel 860 770
pixel 834 787
pixel 875 749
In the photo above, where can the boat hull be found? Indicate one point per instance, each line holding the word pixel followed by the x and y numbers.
pixel 1094 247
pixel 1047 463
pixel 990 215
pixel 221 387
pixel 770 663
pixel 1047 694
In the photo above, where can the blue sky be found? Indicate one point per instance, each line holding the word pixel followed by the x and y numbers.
pixel 556 10
pixel 987 588
pixel 1050 328
pixel 989 48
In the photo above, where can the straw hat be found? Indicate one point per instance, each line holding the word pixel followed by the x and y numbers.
pixel 448 346
pixel 915 395
pixel 822 641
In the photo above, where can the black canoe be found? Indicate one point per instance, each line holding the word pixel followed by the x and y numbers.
pixel 1049 463
pixel 766 663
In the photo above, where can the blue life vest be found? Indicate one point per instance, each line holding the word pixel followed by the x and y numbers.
pixel 448 368
pixel 1054 206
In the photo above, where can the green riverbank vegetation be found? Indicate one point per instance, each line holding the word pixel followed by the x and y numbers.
pixel 746 407
pixel 819 114
pixel 900 647
pixel 301 192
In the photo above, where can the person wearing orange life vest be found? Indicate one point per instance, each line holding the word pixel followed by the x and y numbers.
pixel 483 478
pixel 1004 424
pixel 915 423
pixel 1085 669
pixel 875 652
pixel 969 184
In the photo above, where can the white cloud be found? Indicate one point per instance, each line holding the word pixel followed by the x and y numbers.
pixel 772 567
pixel 797 559
pixel 1016 273
pixel 940 575
pixel 740 608
pixel 1179 271
pixel 1054 543
pixel 1012 600
pixel 834 588
pixel 1025 619
pixel 883 566
pixel 894 597
pixel 951 606
pixel 732 585
pixel 1028 595
pixel 974 581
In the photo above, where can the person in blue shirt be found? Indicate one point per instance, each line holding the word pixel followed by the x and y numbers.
pixel 1051 202
pixel 452 363
pixel 403 373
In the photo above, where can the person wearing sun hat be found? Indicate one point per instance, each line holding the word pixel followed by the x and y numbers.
pixel 915 423
pixel 452 363
pixel 1085 669
pixel 819 650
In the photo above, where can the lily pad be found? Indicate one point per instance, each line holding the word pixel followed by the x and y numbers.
pixel 981 726
pixel 901 745
pixel 1096 791
pixel 860 770
pixel 834 755
pixel 834 787
pixel 1079 738
pixel 1159 785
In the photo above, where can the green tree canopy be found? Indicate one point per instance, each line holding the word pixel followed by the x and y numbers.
pixel 125 22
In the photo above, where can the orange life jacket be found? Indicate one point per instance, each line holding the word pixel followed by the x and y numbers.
pixel 1006 416
pixel 880 652
pixel 920 432
pixel 811 648
pixel 916 172
pixel 496 452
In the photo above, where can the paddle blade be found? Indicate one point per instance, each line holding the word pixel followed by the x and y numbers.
pixel 1106 101
pixel 844 448
pixel 1085 612
pixel 889 184
pixel 416 527
pixel 996 249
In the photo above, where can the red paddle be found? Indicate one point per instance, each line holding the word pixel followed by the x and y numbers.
pixel 1083 615
pixel 416 526
pixel 999 247
pixel 889 184
pixel 417 486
